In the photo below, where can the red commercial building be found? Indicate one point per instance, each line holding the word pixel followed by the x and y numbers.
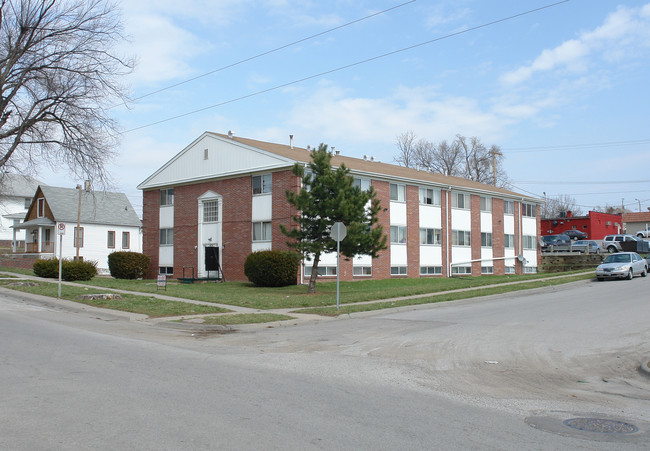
pixel 596 224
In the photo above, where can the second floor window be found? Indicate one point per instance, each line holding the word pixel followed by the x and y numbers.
pixel 262 184
pixel 211 211
pixel 398 234
pixel 166 237
pixel 430 236
pixel 261 231
pixel 486 239
pixel 461 238
pixel 509 241
pixel 529 242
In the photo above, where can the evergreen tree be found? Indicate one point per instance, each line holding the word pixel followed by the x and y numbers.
pixel 327 196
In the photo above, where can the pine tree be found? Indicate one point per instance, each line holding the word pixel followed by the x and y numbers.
pixel 327 196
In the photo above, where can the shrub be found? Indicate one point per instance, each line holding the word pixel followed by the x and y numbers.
pixel 128 265
pixel 70 270
pixel 47 268
pixel 272 268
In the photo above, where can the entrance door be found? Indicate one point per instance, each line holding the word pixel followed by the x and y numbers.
pixel 211 258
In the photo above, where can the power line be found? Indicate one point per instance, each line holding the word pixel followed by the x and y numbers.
pixel 347 66
pixel 575 146
pixel 597 182
pixel 268 52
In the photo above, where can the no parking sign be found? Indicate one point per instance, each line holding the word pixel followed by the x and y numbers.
pixel 60 229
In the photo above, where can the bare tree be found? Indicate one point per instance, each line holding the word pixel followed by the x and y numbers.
pixel 406 149
pixel 555 206
pixel 58 76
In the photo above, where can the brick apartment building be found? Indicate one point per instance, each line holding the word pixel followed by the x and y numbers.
pixel 223 197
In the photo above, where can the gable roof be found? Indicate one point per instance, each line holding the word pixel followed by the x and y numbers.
pixel 97 207
pixel 17 185
pixel 287 155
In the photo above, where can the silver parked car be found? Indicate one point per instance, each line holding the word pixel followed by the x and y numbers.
pixel 581 246
pixel 623 265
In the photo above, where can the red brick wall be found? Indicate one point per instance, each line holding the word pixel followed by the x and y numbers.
pixel 150 228
pixel 413 230
pixel 381 264
pixel 497 236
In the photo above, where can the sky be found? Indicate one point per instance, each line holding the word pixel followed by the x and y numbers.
pixel 563 88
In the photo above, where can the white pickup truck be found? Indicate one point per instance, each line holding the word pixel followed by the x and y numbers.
pixel 643 233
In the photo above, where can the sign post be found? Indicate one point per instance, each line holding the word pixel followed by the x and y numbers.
pixel 60 230
pixel 338 233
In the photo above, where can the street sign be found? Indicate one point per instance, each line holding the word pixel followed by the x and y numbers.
pixel 338 232
pixel 60 228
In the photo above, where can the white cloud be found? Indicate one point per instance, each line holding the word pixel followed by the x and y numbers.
pixel 624 32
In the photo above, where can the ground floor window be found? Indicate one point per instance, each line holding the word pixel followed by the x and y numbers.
pixel 487 269
pixel 510 269
pixel 167 270
pixel 461 269
pixel 362 270
pixel 430 270
pixel 322 270
pixel 398 270
pixel 530 269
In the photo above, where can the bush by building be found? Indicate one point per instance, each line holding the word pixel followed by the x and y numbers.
pixel 272 268
pixel 70 270
pixel 128 265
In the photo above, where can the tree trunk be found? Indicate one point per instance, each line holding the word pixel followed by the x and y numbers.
pixel 314 274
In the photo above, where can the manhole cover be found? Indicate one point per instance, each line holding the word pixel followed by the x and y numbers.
pixel 601 425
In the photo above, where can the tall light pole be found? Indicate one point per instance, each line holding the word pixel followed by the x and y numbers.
pixel 639 204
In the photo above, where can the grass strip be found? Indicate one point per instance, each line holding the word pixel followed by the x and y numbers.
pixel 245 318
pixel 331 311
pixel 147 305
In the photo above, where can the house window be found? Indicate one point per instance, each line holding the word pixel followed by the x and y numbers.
pixel 529 242
pixel 486 239
pixel 398 234
pixel 206 154
pixel 78 237
pixel 262 184
pixel 430 236
pixel 322 270
pixel 397 192
pixel 362 270
pixel 461 238
pixel 509 241
pixel 529 210
pixel 166 270
pixel 166 197
pixel 126 240
pixel 530 269
pixel 487 269
pixel 461 270
pixel 460 200
pixel 41 207
pixel 430 270
pixel 398 270
pixel 429 196
pixel 486 204
pixel 261 231
pixel 361 183
pixel 166 237
pixel 510 270
pixel 211 211
pixel 28 202
pixel 110 239
pixel 508 207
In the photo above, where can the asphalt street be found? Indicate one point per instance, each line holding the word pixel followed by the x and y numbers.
pixel 502 372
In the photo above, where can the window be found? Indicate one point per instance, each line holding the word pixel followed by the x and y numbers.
pixel 322 270
pixel 166 237
pixel 206 154
pixel 508 207
pixel 211 211
pixel 361 183
pixel 487 269
pixel 398 234
pixel 486 239
pixel 362 270
pixel 510 269
pixel 430 270
pixel 167 196
pixel 261 231
pixel 28 202
pixel 78 236
pixel 460 200
pixel 397 192
pixel 509 241
pixel 398 270
pixel 262 184
pixel 530 242
pixel 529 210
pixel 461 238
pixel 461 270
pixel 430 236
pixel 41 207
pixel 166 270
pixel 530 269
pixel 429 196
pixel 486 204
pixel 110 239
pixel 126 240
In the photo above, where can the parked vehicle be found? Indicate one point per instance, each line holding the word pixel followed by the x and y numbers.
pixel 613 242
pixel 643 233
pixel 575 234
pixel 555 243
pixel 623 265
pixel 582 246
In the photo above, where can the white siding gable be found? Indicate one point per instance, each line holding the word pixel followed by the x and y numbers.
pixel 224 158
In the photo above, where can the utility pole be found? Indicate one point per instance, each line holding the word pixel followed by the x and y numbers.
pixel 78 234
pixel 494 151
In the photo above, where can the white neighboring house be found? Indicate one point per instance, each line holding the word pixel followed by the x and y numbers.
pixel 16 192
pixel 108 223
